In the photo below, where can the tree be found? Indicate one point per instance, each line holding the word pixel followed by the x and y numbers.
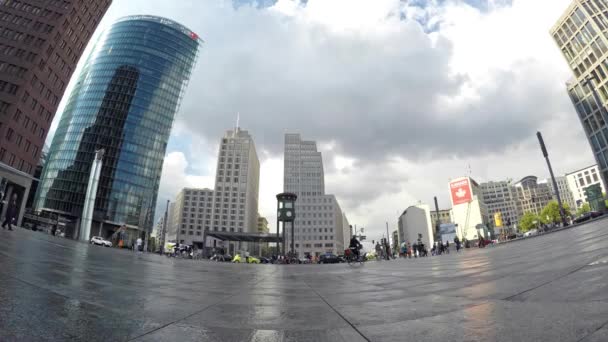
pixel 550 213
pixel 585 208
pixel 528 221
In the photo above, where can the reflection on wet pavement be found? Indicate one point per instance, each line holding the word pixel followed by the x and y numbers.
pixel 547 288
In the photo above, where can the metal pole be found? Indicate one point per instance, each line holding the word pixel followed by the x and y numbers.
pixel 164 232
pixel 438 221
pixel 546 155
pixel 293 250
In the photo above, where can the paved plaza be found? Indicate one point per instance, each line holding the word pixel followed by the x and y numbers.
pixel 547 288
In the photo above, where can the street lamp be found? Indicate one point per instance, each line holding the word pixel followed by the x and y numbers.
pixel 546 155
pixel 286 212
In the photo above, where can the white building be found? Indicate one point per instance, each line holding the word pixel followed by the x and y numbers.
pixel 320 224
pixel 565 192
pixel 469 211
pixel 581 179
pixel 190 215
pixel 237 185
pixel 415 224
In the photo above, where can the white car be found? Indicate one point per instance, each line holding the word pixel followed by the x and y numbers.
pixel 96 240
pixel 531 232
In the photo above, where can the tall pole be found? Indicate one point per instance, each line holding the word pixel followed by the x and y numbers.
pixel 278 234
pixel 293 250
pixel 91 194
pixel 388 237
pixel 164 232
pixel 438 221
pixel 546 155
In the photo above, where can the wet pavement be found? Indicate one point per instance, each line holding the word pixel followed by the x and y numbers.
pixel 546 288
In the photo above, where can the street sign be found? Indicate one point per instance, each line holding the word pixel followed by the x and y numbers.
pixel 593 192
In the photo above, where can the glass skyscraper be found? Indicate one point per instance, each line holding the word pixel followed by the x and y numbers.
pixel 124 102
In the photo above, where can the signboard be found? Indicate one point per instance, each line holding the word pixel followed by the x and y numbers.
pixel 460 190
pixel 593 194
pixel 497 219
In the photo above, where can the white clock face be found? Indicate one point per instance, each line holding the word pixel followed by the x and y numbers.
pixel 289 214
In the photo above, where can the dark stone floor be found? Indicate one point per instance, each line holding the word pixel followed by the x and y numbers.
pixel 546 288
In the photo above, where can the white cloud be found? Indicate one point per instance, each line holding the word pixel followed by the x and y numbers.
pixel 396 111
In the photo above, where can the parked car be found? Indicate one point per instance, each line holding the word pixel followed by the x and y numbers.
pixel 328 258
pixel 588 216
pixel 221 257
pixel 264 260
pixel 249 260
pixel 531 232
pixel 99 241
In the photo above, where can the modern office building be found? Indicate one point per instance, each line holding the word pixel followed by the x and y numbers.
pixel 191 216
pixel 532 195
pixel 580 179
pixel 124 102
pixel 414 225
pixel 580 33
pixel 565 193
pixel 237 185
pixel 263 225
pixel 320 224
pixel 445 216
pixel 501 197
pixel 40 45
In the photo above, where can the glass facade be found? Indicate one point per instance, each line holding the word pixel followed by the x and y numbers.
pixel 124 102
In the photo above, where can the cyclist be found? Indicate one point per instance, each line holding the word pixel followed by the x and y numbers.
pixel 355 246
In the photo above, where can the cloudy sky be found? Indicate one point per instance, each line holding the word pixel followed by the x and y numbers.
pixel 401 95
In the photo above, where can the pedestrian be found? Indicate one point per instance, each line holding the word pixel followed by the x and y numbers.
pixel 11 213
pixel 387 249
pixel 54 230
pixel 140 244
pixel 447 246
pixel 378 250
pixel 415 250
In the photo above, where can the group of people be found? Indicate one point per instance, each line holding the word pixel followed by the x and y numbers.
pixel 417 249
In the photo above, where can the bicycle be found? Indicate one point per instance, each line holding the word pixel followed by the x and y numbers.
pixel 353 258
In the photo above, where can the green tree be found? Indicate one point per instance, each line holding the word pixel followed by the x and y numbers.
pixel 585 208
pixel 528 221
pixel 550 213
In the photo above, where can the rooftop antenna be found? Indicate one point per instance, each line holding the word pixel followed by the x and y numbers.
pixel 238 118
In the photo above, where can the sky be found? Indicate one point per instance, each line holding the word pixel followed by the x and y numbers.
pixel 400 95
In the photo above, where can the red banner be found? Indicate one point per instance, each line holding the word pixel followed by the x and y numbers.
pixel 461 191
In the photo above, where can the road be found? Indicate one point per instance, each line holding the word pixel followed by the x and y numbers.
pixel 547 288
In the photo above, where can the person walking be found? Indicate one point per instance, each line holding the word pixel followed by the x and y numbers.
pixel 447 246
pixel 378 250
pixel 140 245
pixel 54 230
pixel 387 250
pixel 11 213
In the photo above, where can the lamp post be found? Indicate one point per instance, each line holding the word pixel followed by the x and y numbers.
pixel 286 212
pixel 546 155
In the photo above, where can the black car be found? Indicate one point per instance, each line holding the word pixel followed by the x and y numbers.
pixel 329 258
pixel 264 260
pixel 588 216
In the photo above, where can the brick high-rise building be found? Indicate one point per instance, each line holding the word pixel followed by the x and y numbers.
pixel 41 42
